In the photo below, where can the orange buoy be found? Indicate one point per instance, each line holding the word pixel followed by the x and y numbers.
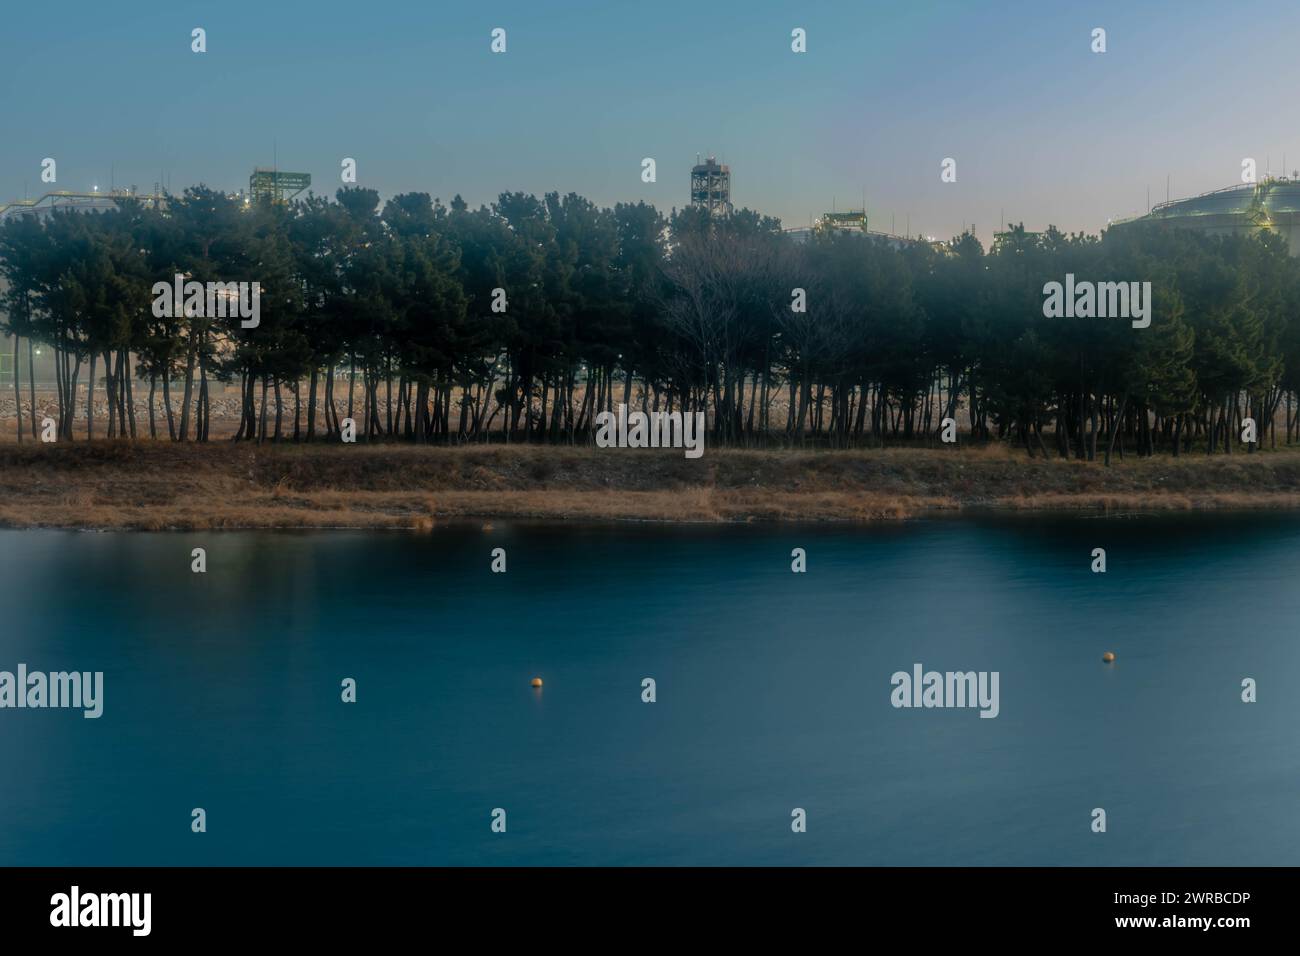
pixel 537 682
pixel 1108 657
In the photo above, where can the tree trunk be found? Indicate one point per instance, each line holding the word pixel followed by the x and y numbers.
pixel 279 410
pixel 167 401
pixel 311 404
pixel 90 401
pixel 153 387
pixel 18 393
pixel 129 402
pixel 188 393
pixel 31 384
pixel 1114 429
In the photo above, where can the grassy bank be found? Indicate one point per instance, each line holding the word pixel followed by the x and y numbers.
pixel 158 485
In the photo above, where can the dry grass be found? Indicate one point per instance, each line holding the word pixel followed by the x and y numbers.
pixel 160 485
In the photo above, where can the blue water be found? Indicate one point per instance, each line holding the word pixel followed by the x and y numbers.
pixel 222 691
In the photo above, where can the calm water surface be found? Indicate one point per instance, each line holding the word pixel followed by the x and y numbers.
pixel 222 692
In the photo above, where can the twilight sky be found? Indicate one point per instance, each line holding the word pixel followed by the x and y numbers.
pixel 1043 129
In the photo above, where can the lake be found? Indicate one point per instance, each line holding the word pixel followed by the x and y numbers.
pixel 222 691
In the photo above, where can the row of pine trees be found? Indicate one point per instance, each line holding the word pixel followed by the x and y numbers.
pixel 521 320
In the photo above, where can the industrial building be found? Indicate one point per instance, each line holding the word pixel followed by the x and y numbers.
pixel 265 185
pixel 855 222
pixel 93 201
pixel 41 359
pixel 1272 205
pixel 1010 240
pixel 276 185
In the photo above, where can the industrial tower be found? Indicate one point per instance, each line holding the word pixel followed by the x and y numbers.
pixel 711 187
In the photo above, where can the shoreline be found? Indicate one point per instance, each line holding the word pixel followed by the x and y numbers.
pixel 155 486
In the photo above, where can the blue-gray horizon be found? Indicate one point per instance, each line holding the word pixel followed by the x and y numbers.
pixel 1042 129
